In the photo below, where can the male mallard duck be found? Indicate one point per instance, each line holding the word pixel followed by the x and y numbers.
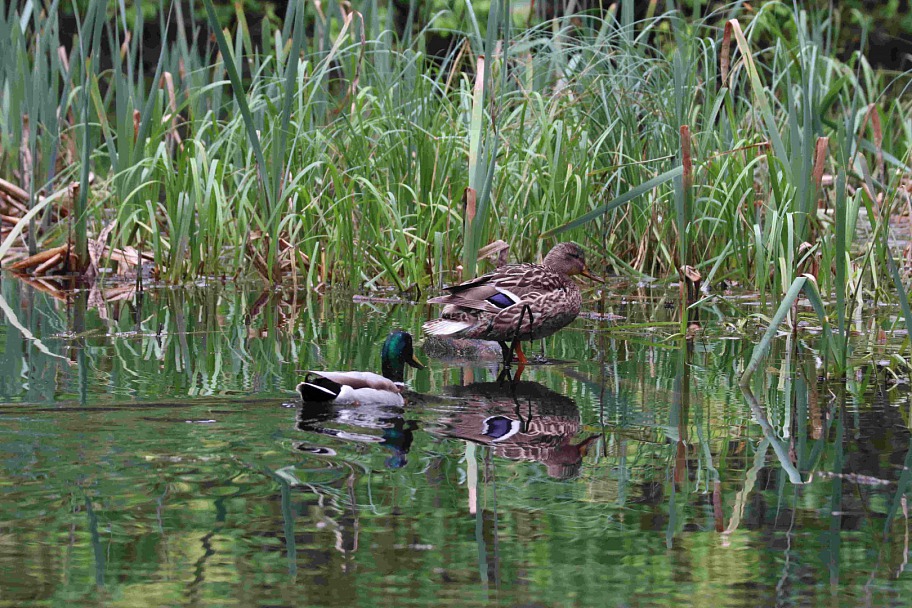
pixel 517 302
pixel 365 387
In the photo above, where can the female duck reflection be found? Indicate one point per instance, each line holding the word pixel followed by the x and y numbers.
pixel 526 421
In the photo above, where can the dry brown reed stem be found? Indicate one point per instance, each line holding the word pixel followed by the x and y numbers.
pixel 820 154
pixel 25 154
pixel 323 268
pixel 39 258
pixel 456 69
pixel 64 60
pixel 873 115
pixel 686 156
pixel 128 256
pixel 43 268
pixel 725 54
pixel 469 205
pixel 878 140
pixel 125 47
pixel 497 251
pixel 353 89
pixel 12 203
pixel 14 191
pixel 258 242
pixel 167 80
pixel 685 272
pixel 692 278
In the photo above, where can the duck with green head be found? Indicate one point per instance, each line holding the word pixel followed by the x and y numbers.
pixel 355 387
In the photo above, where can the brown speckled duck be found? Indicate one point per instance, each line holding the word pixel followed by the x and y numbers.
pixel 519 302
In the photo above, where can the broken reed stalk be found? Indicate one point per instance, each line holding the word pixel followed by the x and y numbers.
pixel 13 191
pixel 39 258
pixel 43 268
pixel 820 154
pixel 470 236
pixel 684 208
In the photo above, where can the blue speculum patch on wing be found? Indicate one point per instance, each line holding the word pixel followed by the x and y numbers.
pixel 501 300
pixel 497 426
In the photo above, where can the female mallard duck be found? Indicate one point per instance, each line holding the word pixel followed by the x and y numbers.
pixel 468 349
pixel 516 302
pixel 365 387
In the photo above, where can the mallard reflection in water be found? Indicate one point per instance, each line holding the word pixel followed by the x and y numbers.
pixel 395 432
pixel 527 421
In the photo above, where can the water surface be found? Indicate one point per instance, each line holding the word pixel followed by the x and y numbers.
pixel 152 453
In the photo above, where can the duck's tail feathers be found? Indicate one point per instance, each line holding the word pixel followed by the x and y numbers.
pixel 445 327
pixel 317 388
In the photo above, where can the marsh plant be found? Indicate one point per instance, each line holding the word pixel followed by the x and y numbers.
pixel 339 152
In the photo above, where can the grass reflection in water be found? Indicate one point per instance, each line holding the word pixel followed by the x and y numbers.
pixel 152 453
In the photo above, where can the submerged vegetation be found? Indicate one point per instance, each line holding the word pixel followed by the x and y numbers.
pixel 343 154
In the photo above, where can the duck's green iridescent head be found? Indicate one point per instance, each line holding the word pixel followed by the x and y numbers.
pixel 397 351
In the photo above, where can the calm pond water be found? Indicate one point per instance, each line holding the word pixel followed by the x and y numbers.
pixel 152 454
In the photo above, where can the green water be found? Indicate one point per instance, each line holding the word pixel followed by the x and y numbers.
pixel 152 454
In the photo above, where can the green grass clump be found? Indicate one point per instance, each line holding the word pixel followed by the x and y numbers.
pixel 341 153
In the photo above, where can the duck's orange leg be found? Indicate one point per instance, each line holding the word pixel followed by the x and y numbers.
pixel 519 371
pixel 516 346
pixel 520 355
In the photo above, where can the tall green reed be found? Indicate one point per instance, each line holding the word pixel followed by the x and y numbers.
pixel 356 147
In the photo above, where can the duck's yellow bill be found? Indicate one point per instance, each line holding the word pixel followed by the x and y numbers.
pixel 586 273
pixel 416 363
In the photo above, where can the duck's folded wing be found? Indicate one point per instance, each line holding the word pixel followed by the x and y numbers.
pixel 477 298
pixel 502 289
pixel 358 380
